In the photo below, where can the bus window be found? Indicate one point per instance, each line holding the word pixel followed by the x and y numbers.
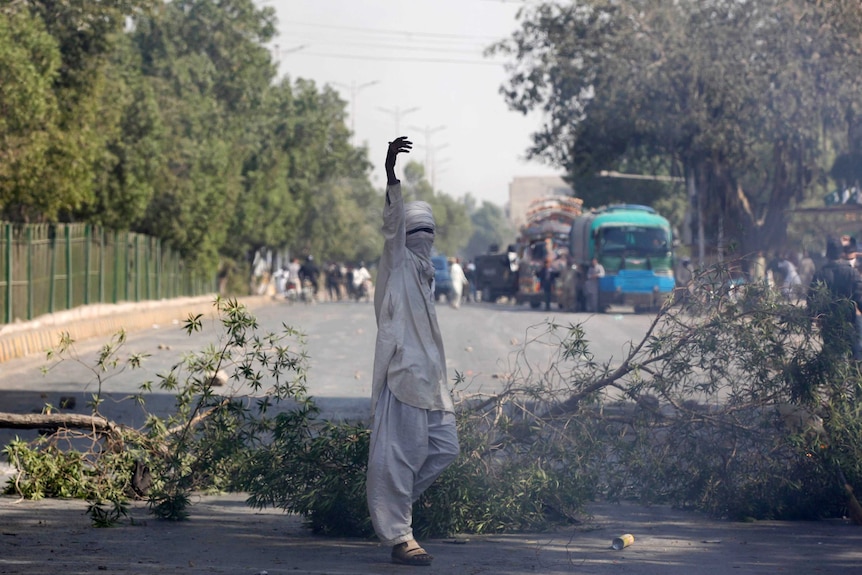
pixel 613 240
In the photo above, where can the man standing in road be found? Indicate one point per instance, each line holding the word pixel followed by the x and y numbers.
pixel 413 435
pixel 594 272
pixel 459 282
pixel 839 314
pixel 547 275
pixel 309 272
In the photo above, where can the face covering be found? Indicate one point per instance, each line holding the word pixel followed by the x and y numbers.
pixel 420 243
pixel 420 227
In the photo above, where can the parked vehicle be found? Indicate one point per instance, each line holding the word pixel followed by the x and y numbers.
pixel 545 236
pixel 442 277
pixel 497 275
pixel 634 244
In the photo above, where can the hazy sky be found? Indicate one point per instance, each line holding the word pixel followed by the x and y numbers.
pixel 430 82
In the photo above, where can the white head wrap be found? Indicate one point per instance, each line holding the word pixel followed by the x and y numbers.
pixel 418 215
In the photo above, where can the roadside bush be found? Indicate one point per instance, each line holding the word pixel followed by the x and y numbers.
pixel 227 397
pixel 317 472
pixel 731 407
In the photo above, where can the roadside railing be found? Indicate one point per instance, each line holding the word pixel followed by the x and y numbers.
pixel 45 268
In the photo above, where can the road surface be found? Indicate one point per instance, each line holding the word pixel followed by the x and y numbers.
pixel 227 537
pixel 487 343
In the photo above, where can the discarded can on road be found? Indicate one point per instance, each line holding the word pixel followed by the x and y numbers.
pixel 622 541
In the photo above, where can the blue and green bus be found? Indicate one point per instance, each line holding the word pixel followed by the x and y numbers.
pixel 634 244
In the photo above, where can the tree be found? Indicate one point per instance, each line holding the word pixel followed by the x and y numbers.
pixel 329 179
pixel 210 73
pixel 132 159
pixel 43 164
pixel 490 227
pixel 165 118
pixel 742 99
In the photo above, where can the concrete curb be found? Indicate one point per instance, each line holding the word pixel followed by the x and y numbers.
pixel 43 333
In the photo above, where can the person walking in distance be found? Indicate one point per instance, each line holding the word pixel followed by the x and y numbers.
pixel 459 282
pixel 547 276
pixel 361 282
pixel 413 433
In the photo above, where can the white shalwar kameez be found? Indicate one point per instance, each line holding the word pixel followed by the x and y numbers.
pixel 413 436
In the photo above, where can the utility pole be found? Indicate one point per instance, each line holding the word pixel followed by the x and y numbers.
pixel 397 113
pixel 354 90
pixel 434 168
pixel 429 149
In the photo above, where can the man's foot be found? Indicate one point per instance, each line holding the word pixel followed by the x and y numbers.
pixel 410 553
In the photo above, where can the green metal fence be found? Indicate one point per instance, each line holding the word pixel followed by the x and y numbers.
pixel 46 268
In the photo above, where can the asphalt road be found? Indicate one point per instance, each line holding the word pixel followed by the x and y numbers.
pixel 224 536
pixel 487 343
pixel 483 342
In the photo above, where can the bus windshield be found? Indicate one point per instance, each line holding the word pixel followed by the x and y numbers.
pixel 639 240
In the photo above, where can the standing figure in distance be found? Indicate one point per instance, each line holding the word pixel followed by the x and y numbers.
pixel 309 272
pixel 791 284
pixel 547 276
pixel 594 272
pixel 459 282
pixel 839 314
pixel 413 433
pixel 362 282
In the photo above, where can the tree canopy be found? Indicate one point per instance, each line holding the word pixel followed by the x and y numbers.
pixel 749 101
pixel 168 118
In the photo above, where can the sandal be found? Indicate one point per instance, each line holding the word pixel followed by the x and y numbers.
pixel 410 553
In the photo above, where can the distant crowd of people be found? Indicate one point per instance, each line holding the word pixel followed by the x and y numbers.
pixel 338 281
pixel 831 289
pixel 306 281
pixel 790 273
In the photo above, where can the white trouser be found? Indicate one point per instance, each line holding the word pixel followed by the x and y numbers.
pixel 410 448
pixel 455 297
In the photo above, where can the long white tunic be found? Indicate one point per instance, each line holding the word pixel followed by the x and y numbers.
pixel 408 355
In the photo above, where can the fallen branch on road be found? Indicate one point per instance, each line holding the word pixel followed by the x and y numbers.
pixel 56 421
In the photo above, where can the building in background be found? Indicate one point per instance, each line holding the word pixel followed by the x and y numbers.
pixel 523 190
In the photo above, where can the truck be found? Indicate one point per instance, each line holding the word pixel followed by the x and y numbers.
pixel 634 244
pixel 497 274
pixel 544 236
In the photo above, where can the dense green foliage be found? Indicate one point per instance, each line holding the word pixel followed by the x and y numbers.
pixel 751 102
pixel 168 118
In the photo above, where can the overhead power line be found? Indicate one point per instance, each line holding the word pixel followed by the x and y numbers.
pixel 392 46
pixel 391 31
pixel 397 59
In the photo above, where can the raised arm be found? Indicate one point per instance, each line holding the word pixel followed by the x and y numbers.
pixel 396 146
pixel 394 236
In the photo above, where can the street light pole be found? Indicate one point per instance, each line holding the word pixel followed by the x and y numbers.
pixel 397 113
pixel 434 165
pixel 354 90
pixel 429 149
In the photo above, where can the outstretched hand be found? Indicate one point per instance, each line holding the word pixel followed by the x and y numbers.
pixel 396 146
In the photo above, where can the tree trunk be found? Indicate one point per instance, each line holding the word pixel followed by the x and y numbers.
pixel 56 421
